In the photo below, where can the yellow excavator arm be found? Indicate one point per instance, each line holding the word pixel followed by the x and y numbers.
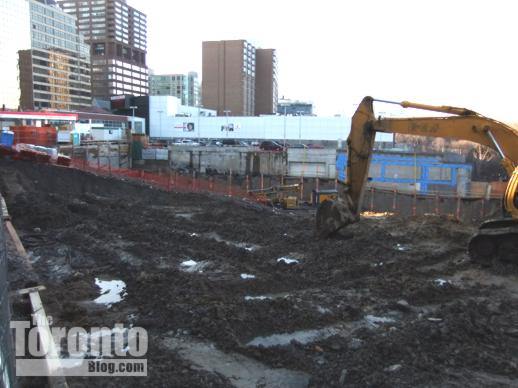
pixel 463 124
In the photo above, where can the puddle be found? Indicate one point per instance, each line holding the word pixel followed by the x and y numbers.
pixel 193 266
pixel 262 297
pixel 312 335
pixel 242 245
pixel 194 235
pixel 324 310
pixel 187 216
pixel 112 291
pixel 247 276
pixel 288 260
pixel 441 282
pixel 376 321
pixel 303 336
pixel 243 372
pixel 128 258
pixel 403 247
pixel 267 297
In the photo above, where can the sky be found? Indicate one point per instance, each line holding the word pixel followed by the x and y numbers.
pixel 335 52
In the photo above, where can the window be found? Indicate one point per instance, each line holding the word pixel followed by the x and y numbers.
pixel 99 49
pixel 439 173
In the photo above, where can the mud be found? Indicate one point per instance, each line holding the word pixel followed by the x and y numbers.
pixel 391 302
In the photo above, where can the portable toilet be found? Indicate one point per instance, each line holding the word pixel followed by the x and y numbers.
pixel 76 138
pixel 7 138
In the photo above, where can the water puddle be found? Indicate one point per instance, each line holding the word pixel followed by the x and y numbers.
pixel 303 336
pixel 261 297
pixel 403 247
pixel 193 266
pixel 441 282
pixel 242 245
pixel 187 216
pixel 267 297
pixel 288 260
pixel 308 336
pixel 243 372
pixel 324 310
pixel 112 291
pixel 375 321
pixel 128 258
pixel 246 276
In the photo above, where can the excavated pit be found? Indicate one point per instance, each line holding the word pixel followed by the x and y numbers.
pixel 390 302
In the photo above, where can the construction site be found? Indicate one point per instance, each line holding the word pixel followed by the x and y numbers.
pixel 237 291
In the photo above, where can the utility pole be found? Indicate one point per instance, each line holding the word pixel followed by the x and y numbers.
pixel 160 121
pixel 130 137
pixel 199 110
pixel 227 112
pixel 284 127
pixel 299 112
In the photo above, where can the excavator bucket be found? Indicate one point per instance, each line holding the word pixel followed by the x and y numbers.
pixel 333 216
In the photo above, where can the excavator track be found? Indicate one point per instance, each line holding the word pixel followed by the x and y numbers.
pixel 495 240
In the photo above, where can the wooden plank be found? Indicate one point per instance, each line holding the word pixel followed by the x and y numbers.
pixel 16 240
pixel 57 378
pixel 5 213
pixel 25 291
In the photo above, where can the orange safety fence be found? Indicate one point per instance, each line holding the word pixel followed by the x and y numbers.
pixel 169 181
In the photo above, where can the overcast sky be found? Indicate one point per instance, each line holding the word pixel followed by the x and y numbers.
pixel 334 52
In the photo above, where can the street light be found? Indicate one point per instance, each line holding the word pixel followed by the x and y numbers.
pixel 227 112
pixel 299 112
pixel 160 118
pixel 130 161
pixel 133 117
pixel 284 127
pixel 199 108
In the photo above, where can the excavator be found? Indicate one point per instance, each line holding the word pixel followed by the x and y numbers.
pixel 495 239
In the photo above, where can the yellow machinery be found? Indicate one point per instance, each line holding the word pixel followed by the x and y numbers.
pixel 495 239
pixel 319 196
pixel 284 196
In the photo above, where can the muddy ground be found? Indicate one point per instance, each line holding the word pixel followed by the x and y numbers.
pixel 391 302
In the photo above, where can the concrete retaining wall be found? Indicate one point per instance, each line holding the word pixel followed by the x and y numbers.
pixel 312 163
pixel 240 160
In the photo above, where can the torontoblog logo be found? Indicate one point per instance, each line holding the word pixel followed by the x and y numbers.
pixel 42 350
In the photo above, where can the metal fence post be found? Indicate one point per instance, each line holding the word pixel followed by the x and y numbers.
pixel 230 183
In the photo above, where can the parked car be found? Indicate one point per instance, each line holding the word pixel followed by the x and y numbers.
pixel 270 145
pixel 297 146
pixel 230 142
pixel 215 143
pixel 186 142
pixel 315 146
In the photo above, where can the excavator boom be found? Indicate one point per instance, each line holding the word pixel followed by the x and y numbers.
pixel 463 124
